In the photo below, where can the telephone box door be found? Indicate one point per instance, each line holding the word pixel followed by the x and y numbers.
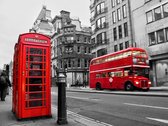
pixel 36 81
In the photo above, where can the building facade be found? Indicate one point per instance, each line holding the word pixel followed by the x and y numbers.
pixel 118 24
pixel 71 48
pixel 111 26
pixel 150 19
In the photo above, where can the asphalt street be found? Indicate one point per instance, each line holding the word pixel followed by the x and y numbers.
pixel 118 110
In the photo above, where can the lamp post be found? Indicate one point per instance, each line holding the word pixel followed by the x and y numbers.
pixel 62 106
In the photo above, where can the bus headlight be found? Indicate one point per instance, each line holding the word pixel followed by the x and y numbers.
pixel 136 82
pixel 149 82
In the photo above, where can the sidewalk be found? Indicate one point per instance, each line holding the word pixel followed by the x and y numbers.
pixel 7 118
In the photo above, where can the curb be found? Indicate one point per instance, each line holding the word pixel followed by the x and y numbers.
pixel 158 94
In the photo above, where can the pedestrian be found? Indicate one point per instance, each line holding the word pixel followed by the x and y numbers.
pixel 4 83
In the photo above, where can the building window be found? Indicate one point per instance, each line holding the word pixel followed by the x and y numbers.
pixel 152 40
pixel 113 2
pixel 101 52
pixel 92 15
pixel 160 36
pixel 149 17
pixel 166 30
pixel 126 44
pixel 121 46
pixel 125 29
pixel 100 23
pixel 78 49
pixel 157 13
pixel 115 33
pixel 85 39
pixel 69 63
pixel 100 8
pixel 93 40
pixel 124 11
pixel 79 63
pixel 93 28
pixel 114 16
pixel 89 50
pixel 119 14
pixel 165 10
pixel 115 48
pixel 86 63
pixel 101 38
pixel 85 50
pixel 118 1
pixel 120 31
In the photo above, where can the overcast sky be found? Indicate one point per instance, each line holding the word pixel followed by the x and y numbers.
pixel 18 16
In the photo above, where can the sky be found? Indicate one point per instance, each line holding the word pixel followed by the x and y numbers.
pixel 18 16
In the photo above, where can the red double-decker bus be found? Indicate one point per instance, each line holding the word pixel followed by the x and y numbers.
pixel 126 69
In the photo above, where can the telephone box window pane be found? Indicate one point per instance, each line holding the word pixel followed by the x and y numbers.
pixel 35 96
pixel 35 73
pixel 27 58
pixel 36 58
pixel 44 51
pixel 26 65
pixel 35 51
pixel 27 80
pixel 35 81
pixel 27 50
pixel 34 88
pixel 35 103
pixel 27 88
pixel 36 66
pixel 44 102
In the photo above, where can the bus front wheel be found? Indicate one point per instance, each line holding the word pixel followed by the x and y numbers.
pixel 129 87
pixel 98 86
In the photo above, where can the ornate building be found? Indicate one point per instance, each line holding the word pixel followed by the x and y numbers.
pixel 71 48
pixel 43 23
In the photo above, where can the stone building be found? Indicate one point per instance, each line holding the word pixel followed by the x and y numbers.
pixel 111 26
pixel 71 48
pixel 150 19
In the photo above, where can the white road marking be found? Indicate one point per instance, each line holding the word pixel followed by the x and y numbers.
pixel 159 120
pixel 147 106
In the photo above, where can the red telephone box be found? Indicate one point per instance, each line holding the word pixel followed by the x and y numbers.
pixel 31 76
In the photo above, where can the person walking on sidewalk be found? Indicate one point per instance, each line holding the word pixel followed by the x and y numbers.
pixel 4 83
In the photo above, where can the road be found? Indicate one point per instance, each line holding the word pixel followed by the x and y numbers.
pixel 119 110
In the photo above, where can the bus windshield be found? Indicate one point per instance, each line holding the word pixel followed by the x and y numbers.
pixel 137 71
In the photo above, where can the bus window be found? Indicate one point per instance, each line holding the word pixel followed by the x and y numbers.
pixel 103 75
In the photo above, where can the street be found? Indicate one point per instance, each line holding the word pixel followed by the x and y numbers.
pixel 118 110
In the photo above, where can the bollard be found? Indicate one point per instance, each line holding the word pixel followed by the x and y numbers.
pixel 62 108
